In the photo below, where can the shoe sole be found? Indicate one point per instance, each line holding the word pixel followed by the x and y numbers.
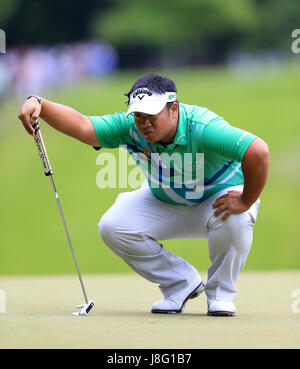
pixel 195 293
pixel 221 313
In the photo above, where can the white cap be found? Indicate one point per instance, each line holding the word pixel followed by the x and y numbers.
pixel 143 100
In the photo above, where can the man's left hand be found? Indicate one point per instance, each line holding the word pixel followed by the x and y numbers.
pixel 231 203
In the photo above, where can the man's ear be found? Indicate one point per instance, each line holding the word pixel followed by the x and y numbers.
pixel 174 110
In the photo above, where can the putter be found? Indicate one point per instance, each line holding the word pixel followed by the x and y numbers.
pixel 84 308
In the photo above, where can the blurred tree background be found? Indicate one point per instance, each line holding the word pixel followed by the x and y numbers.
pixel 232 56
pixel 156 33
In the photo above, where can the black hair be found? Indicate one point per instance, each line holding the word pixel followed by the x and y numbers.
pixel 155 83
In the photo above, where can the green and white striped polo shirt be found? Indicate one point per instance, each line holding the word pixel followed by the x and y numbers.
pixel 204 158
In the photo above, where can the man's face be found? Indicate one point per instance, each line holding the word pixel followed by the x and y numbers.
pixel 161 127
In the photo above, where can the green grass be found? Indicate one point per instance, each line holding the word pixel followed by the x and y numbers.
pixel 32 239
pixel 38 307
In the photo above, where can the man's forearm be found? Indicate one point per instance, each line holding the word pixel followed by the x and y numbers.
pixel 64 119
pixel 255 167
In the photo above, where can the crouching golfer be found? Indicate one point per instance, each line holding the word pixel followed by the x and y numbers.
pixel 220 205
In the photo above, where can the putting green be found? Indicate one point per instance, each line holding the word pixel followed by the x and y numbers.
pixel 38 307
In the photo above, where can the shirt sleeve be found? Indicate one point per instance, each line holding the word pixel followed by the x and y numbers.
pixel 111 130
pixel 222 139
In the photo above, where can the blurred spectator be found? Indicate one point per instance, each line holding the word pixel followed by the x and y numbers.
pixel 247 66
pixel 34 70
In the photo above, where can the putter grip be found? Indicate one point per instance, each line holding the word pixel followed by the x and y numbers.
pixel 42 150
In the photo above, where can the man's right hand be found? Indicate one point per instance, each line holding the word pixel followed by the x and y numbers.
pixel 29 113
pixel 60 117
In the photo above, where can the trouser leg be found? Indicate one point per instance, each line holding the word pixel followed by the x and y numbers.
pixel 132 227
pixel 229 243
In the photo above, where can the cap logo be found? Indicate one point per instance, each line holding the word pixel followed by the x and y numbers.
pixel 141 91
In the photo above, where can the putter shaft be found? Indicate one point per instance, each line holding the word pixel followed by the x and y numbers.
pixel 68 236
pixel 48 172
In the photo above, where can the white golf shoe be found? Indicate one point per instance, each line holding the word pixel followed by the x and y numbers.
pixel 175 303
pixel 221 308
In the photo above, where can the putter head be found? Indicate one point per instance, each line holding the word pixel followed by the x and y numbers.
pixel 84 309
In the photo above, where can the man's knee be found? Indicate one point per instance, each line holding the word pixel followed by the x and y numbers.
pixel 107 229
pixel 123 239
pixel 119 234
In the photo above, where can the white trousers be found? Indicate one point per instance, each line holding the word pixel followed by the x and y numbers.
pixel 134 226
